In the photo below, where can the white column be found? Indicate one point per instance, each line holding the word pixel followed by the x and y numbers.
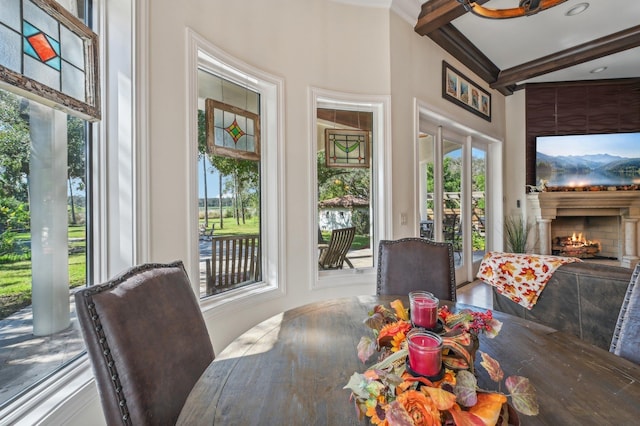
pixel 544 235
pixel 48 203
pixel 630 256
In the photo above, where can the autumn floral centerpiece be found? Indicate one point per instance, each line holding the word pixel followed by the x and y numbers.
pixel 388 394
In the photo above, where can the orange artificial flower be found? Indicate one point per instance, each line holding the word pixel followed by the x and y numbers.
pixel 390 330
pixel 396 343
pixel 420 408
pixel 372 413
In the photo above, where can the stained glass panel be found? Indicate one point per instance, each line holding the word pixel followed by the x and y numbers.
pixel 232 132
pixel 53 49
pixel 10 14
pixel 39 19
pixel 40 72
pixel 346 148
pixel 9 53
pixel 73 48
pixel 72 81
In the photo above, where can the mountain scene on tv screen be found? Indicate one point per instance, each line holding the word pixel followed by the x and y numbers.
pixel 587 170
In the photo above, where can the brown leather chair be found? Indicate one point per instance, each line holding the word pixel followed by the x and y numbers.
pixel 147 341
pixel 626 336
pixel 410 264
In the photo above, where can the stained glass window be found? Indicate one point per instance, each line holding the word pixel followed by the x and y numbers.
pixel 44 47
pixel 232 132
pixel 346 148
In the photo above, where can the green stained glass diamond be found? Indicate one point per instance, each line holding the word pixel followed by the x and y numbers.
pixel 235 131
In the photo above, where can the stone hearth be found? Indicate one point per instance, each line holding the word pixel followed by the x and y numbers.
pixel 548 206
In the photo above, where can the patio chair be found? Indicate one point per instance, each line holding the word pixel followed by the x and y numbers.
pixel 626 336
pixel 235 261
pixel 335 254
pixel 147 342
pixel 410 264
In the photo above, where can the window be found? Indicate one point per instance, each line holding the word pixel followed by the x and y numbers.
pixel 236 203
pixel 50 87
pixel 350 164
pixel 229 184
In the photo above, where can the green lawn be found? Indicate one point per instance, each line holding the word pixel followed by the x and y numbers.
pixel 15 278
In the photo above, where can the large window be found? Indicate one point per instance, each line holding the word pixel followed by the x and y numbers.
pixel 47 60
pixel 350 167
pixel 238 200
pixel 229 184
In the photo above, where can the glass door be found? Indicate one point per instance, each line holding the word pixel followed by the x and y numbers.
pixel 478 204
pixel 453 212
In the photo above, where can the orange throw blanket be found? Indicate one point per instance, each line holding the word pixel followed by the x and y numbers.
pixel 520 277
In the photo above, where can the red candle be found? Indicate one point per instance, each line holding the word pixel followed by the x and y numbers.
pixel 424 309
pixel 425 352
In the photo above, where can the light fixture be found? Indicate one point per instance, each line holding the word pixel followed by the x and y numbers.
pixel 597 70
pixel 577 9
pixel 525 8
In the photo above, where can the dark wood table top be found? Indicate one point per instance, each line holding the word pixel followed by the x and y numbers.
pixel 291 370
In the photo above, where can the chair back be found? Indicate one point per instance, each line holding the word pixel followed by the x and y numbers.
pixel 235 260
pixel 147 342
pixel 410 264
pixel 335 255
pixel 626 335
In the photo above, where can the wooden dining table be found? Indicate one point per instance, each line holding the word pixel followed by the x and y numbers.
pixel 292 368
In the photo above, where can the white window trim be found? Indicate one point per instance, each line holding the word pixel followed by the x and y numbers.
pixel 203 54
pixel 379 105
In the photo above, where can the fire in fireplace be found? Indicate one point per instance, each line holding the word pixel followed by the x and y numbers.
pixel 575 246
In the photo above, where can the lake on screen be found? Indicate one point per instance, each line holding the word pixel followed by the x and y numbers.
pixel 591 179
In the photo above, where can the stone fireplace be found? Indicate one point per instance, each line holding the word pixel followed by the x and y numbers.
pixel 608 217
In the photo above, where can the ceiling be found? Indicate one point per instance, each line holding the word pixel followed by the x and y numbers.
pixel 545 47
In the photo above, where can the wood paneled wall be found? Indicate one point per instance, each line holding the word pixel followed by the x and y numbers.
pixel 576 108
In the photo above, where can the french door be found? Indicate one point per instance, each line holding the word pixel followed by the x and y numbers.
pixel 452 194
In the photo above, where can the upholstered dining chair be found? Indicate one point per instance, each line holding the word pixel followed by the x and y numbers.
pixel 147 342
pixel 410 264
pixel 626 335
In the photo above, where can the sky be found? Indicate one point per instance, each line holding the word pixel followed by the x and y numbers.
pixel 620 144
pixel 213 180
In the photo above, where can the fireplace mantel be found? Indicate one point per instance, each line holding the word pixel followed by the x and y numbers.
pixel 587 203
pixel 547 206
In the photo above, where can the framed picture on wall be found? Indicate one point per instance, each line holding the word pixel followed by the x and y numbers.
pixel 459 89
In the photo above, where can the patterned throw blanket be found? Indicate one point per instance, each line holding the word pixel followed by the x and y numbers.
pixel 520 277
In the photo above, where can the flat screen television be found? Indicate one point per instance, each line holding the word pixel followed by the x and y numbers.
pixel 574 161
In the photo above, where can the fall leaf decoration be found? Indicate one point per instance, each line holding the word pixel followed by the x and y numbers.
pixel 388 395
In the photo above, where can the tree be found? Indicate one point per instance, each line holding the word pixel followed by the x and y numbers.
pixel 340 181
pixel 14 148
pixel 76 155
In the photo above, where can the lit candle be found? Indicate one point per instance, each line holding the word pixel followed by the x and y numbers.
pixel 425 352
pixel 424 309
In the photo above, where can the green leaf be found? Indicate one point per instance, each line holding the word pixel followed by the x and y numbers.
pixel 358 385
pixel 523 395
pixel 465 388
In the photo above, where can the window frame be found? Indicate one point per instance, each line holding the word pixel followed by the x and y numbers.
pixel 381 186
pixel 32 89
pixel 204 55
